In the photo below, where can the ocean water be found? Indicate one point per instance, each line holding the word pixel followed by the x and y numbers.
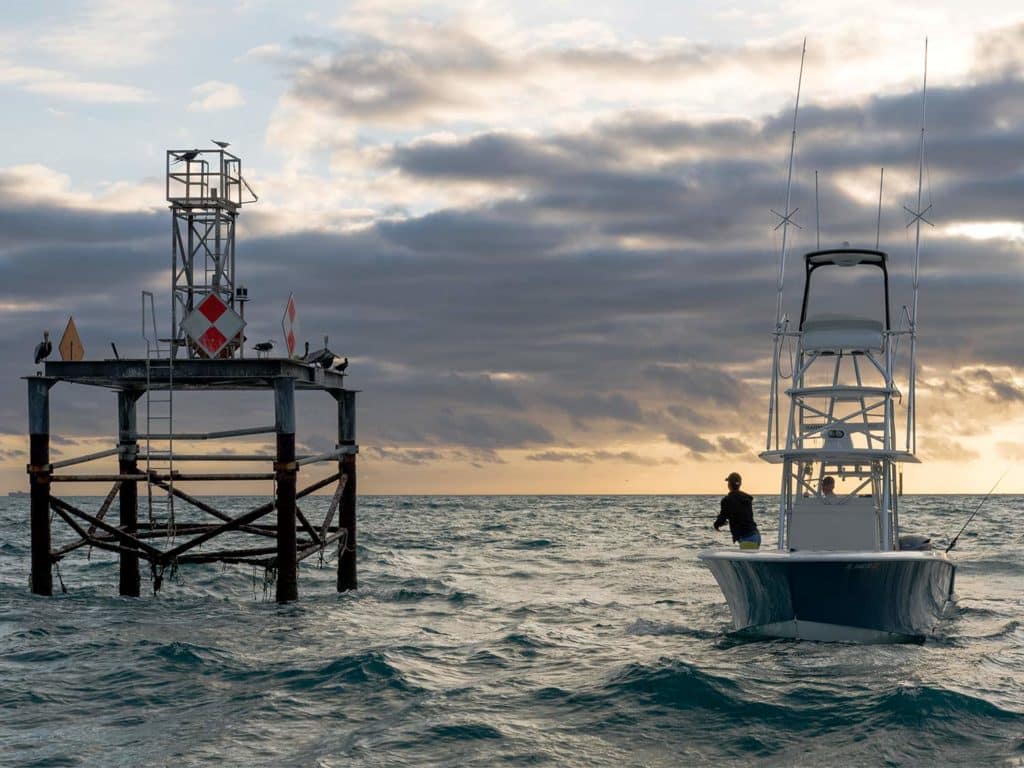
pixel 502 631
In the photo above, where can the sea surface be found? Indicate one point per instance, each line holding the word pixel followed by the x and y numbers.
pixel 502 631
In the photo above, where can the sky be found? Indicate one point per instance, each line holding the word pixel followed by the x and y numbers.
pixel 540 231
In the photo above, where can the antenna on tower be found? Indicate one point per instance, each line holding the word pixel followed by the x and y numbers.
pixel 785 219
pixel 917 216
pixel 878 225
pixel 817 213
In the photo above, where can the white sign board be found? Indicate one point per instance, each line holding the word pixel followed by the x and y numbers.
pixel 212 325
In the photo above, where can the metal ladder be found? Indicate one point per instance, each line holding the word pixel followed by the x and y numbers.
pixel 159 421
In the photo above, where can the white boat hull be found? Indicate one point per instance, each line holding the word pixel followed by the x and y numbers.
pixel 857 597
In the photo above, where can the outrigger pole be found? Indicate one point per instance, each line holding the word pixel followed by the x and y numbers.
pixel 786 219
pixel 917 217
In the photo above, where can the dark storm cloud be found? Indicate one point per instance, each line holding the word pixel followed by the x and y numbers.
pixel 488 432
pixel 500 233
pixel 697 444
pixel 589 406
pixel 699 383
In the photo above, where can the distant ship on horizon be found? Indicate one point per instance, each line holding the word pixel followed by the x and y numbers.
pixel 18 493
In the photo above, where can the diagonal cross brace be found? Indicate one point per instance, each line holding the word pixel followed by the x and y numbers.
pixel 916 216
pixel 786 219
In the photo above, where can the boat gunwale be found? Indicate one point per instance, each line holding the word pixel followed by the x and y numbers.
pixel 836 556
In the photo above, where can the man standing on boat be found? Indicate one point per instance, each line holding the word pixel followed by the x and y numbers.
pixel 738 511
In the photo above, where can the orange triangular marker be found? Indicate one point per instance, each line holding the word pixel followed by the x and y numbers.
pixel 71 343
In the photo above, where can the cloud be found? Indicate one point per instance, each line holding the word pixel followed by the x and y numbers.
pixel 116 33
pixel 591 457
pixel 936 448
pixel 697 444
pixel 69 87
pixel 215 96
pixel 733 446
pixel 581 268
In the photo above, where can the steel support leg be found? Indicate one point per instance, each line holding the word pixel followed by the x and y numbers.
pixel 347 578
pixel 286 470
pixel 39 477
pixel 127 463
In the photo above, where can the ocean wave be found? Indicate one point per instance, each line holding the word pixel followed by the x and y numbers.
pixel 352 670
pixel 642 627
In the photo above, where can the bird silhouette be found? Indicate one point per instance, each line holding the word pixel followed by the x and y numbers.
pixel 263 348
pixel 221 144
pixel 43 348
pixel 326 359
pixel 186 157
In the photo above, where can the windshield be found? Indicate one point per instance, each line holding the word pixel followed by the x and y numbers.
pixel 857 291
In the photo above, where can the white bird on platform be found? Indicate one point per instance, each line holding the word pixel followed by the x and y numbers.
pixel 264 347
pixel 43 348
pixel 221 144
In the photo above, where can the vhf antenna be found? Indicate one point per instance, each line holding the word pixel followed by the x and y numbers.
pixel 917 216
pixel 785 219
pixel 878 225
pixel 817 213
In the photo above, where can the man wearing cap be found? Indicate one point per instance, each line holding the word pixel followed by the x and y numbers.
pixel 738 511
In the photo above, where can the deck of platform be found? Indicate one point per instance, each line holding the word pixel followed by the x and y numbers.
pixel 218 374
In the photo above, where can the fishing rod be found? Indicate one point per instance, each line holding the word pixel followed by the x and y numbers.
pixel 980 505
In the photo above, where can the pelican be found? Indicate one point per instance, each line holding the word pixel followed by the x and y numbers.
pixel 43 348
pixel 187 157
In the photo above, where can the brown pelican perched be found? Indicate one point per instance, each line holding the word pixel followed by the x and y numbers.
pixel 43 348
pixel 324 358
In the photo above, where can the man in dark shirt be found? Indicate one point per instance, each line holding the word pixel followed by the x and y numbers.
pixel 738 511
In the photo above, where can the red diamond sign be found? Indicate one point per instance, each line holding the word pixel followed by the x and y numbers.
pixel 290 325
pixel 212 325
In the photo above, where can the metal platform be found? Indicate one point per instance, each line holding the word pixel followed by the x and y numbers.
pixel 218 374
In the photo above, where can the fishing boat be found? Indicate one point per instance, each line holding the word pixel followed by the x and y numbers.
pixel 842 569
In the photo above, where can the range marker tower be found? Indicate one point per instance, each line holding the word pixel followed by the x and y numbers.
pixel 205 190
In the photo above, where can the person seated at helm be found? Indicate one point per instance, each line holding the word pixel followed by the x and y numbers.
pixel 828 487
pixel 738 511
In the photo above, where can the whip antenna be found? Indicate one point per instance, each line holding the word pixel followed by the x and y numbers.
pixel 878 226
pixel 917 216
pixel 785 219
pixel 817 213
